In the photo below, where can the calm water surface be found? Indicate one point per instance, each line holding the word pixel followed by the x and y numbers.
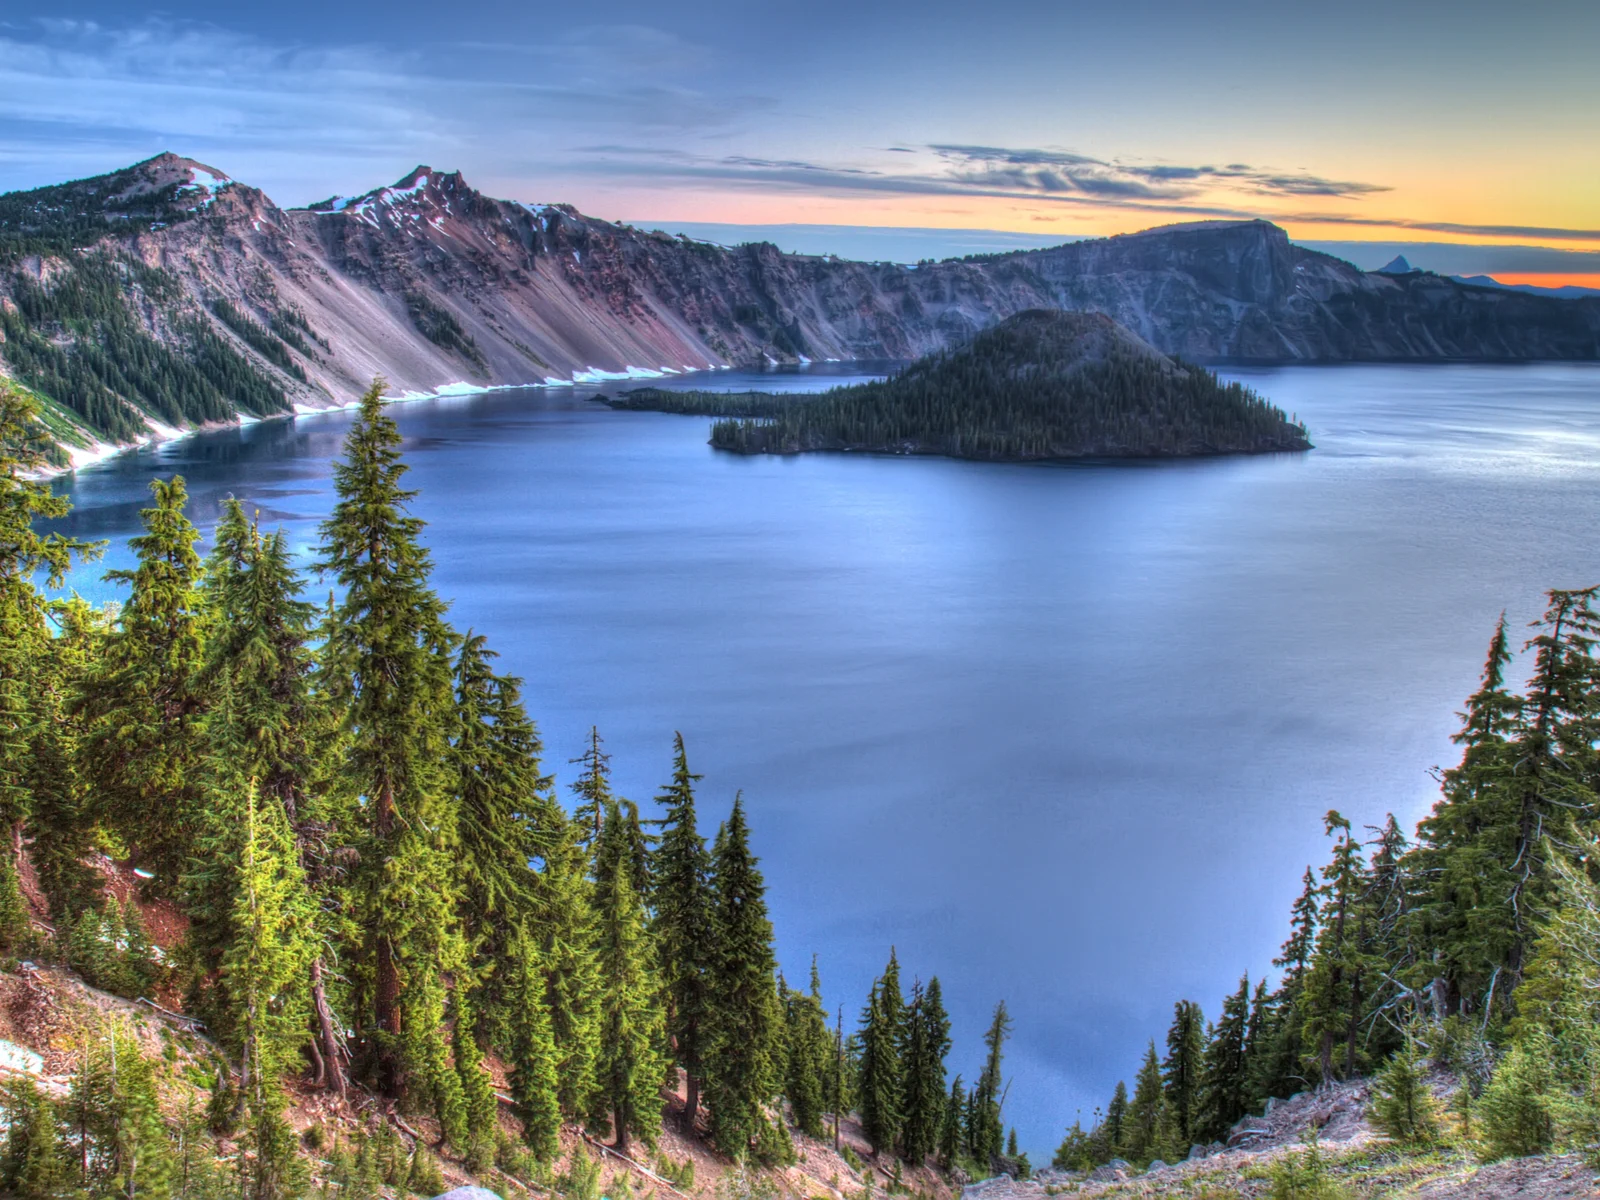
pixel 1063 735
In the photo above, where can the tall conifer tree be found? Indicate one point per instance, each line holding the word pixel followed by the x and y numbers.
pixel 387 656
pixel 141 749
pixel 1225 1076
pixel 744 1025
pixel 989 1094
pixel 631 1057
pixel 683 925
pixel 1181 1072
pixel 927 1043
pixel 881 1074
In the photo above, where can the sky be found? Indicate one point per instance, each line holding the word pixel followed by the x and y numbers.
pixel 1394 121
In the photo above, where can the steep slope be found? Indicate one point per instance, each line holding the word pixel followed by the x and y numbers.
pixel 167 294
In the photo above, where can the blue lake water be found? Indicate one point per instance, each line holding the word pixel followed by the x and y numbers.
pixel 1063 735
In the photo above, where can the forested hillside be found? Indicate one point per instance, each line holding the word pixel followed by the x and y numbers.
pixel 371 897
pixel 1039 385
pixel 1467 952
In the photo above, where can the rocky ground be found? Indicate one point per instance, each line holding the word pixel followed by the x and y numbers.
pixel 1359 1162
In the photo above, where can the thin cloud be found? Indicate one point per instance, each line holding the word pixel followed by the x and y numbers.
pixel 1048 170
pixel 210 91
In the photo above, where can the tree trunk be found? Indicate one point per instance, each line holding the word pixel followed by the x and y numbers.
pixel 621 1144
pixel 331 1073
pixel 691 1106
pixel 386 998
pixel 387 1003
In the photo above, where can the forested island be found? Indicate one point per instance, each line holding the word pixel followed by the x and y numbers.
pixel 1041 385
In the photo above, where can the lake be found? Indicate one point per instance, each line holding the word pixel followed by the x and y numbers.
pixel 1063 735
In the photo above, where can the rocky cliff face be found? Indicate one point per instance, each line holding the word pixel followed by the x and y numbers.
pixel 430 284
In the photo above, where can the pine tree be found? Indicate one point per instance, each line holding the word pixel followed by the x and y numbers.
pixel 1403 1106
pixel 388 668
pixel 113 1116
pixel 1116 1122
pixel 927 1043
pixel 1225 1075
pixel 535 1088
pixel 267 967
pixel 1524 781
pixel 744 1027
pixel 568 944
pixel 952 1141
pixel 1278 1068
pixel 881 1074
pixel 1334 994
pixel 141 748
pixel 507 821
pixel 810 1056
pixel 631 1059
pixel 28 722
pixel 989 1094
pixel 32 1166
pixel 1181 1072
pixel 683 925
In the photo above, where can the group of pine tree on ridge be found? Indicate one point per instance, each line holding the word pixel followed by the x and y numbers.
pixel 1470 951
pixel 381 886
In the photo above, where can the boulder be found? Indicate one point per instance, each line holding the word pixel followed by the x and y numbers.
pixel 1120 1164
pixel 468 1193
pixel 1196 1153
pixel 1107 1174
pixel 1156 1167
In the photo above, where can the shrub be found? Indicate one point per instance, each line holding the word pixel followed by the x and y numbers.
pixel 1403 1107
pixel 1304 1176
pixel 1516 1111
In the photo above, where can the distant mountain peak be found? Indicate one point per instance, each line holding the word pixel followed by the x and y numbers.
pixel 1396 266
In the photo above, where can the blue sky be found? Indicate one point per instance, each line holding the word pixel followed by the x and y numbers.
pixel 1396 122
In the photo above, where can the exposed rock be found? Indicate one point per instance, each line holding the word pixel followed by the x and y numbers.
pixel 468 1193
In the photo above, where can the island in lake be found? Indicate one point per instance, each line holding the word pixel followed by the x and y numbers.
pixel 1040 385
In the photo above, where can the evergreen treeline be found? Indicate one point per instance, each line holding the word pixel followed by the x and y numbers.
pixel 1040 385
pixel 76 341
pixel 348 804
pixel 1470 949
pixel 62 217
pixel 267 343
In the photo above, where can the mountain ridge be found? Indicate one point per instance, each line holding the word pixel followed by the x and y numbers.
pixel 433 285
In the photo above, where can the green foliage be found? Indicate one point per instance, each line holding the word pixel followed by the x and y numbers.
pixel 78 341
pixel 809 1056
pixel 440 327
pixel 984 1128
pixel 631 1058
pixel 387 669
pixel 139 701
pixel 880 1076
pixel 1040 385
pixel 32 1165
pixel 1304 1176
pixel 1517 1109
pixel 264 342
pixel 1403 1106
pixel 684 931
pixel 113 1121
pixel 1181 1074
pixel 922 1088
pixel 743 1053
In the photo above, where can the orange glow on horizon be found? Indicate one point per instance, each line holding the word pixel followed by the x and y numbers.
pixel 1549 280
